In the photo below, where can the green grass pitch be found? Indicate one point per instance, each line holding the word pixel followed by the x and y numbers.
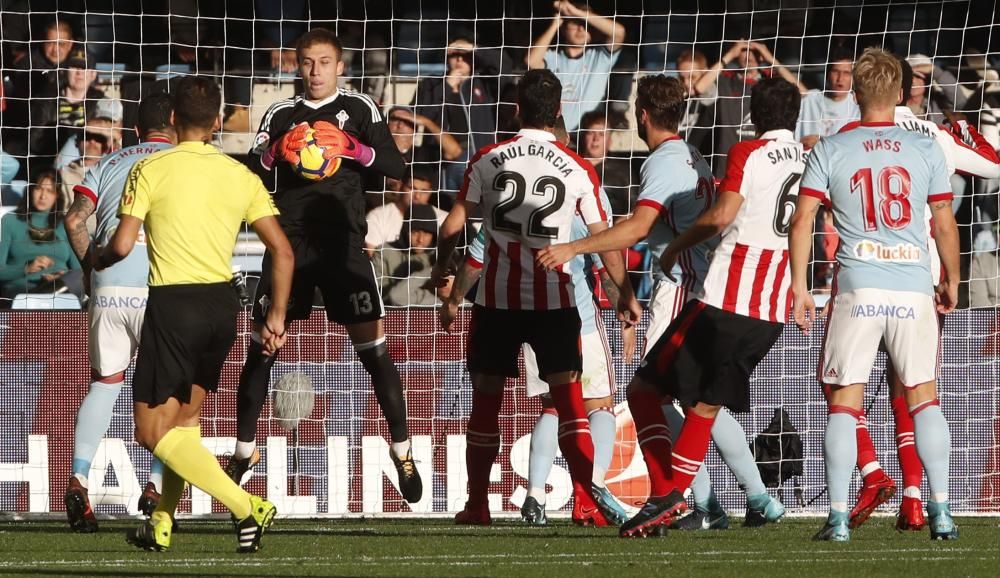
pixel 421 547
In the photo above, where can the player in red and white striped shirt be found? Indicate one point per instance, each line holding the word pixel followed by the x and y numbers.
pixel 706 356
pixel 529 189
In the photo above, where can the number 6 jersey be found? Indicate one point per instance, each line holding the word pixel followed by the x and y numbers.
pixel 878 179
pixel 749 273
pixel 529 188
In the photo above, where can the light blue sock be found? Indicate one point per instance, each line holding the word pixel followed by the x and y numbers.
pixel 933 441
pixel 701 485
pixel 544 444
pixel 92 423
pixel 156 474
pixel 602 430
pixel 840 451
pixel 731 441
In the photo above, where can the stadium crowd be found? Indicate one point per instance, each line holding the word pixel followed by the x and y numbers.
pixel 70 93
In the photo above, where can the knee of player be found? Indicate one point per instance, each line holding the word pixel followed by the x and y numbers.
pixel 371 352
pixel 147 436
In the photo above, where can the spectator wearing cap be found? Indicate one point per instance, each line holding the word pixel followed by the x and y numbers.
pixel 462 104
pixel 935 91
pixel 404 265
pixel 97 140
pixel 385 222
pixel 582 65
pixel 107 109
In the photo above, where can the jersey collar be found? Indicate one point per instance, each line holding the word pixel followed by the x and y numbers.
pixel 904 112
pixel 322 103
pixel 536 134
pixel 157 139
pixel 781 134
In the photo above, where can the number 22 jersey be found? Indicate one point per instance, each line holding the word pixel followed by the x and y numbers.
pixel 878 179
pixel 529 188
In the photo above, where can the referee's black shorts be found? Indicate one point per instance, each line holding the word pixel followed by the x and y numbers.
pixel 186 335
pixel 342 272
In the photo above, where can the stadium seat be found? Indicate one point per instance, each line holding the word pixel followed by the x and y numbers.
pixel 56 301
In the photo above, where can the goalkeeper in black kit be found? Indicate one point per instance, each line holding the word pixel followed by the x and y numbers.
pixel 325 223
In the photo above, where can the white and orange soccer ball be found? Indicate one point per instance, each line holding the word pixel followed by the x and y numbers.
pixel 312 166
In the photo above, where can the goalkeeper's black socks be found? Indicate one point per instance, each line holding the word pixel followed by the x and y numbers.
pixel 254 380
pixel 388 387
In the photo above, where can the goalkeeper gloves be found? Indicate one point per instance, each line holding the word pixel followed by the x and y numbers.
pixel 341 144
pixel 287 147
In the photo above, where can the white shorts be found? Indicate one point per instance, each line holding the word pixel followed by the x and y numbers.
pixel 860 319
pixel 116 315
pixel 665 304
pixel 598 372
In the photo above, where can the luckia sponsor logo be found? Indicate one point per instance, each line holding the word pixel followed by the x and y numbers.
pixel 868 250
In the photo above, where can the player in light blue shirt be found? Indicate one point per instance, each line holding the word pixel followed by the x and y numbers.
pixel 583 69
pixel 877 179
pixel 117 305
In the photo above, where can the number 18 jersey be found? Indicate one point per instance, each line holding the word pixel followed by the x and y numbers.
pixel 878 179
pixel 529 188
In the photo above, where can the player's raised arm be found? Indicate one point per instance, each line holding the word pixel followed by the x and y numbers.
pixel 710 224
pixel 622 236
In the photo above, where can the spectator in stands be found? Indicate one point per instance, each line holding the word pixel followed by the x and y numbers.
pixel 691 66
pixel 105 109
pixel 935 90
pixel 582 67
pixel 403 126
pixel 385 222
pixel 32 75
pixel 96 141
pixel 50 53
pixel 984 279
pixel 823 113
pixel 615 173
pixel 731 118
pixel 59 113
pixel 463 105
pixel 35 255
pixel 404 265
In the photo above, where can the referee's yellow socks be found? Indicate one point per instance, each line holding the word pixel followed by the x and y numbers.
pixel 181 451
pixel 172 487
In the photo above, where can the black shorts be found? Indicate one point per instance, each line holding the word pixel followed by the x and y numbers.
pixel 342 272
pixel 707 355
pixel 496 335
pixel 186 335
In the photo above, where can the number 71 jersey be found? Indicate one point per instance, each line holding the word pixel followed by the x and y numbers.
pixel 529 189
pixel 878 179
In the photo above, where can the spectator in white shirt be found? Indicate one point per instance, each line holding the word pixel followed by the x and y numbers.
pixel 385 222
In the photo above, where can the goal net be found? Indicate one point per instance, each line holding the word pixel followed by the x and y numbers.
pixel 336 462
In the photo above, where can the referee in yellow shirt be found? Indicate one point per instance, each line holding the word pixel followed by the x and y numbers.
pixel 191 201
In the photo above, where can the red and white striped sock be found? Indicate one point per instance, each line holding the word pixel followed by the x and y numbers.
pixel 690 449
pixel 653 435
pixel 909 461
